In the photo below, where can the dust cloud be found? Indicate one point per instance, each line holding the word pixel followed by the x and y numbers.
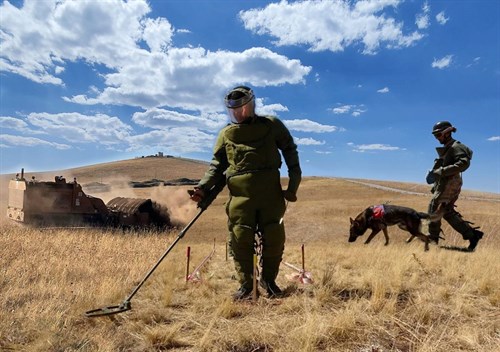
pixel 177 201
pixel 118 187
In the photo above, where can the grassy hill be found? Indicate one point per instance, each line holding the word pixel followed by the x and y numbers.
pixel 364 297
pixel 138 169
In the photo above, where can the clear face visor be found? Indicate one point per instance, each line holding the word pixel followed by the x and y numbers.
pixel 242 112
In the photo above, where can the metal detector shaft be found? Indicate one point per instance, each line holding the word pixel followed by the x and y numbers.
pixel 109 310
pixel 179 236
pixel 203 205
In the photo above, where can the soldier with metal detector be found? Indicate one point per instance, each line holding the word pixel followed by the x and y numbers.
pixel 446 176
pixel 247 155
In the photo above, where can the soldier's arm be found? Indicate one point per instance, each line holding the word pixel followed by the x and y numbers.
pixel 462 156
pixel 286 144
pixel 218 165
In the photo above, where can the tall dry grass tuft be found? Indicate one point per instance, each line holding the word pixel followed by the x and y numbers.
pixel 364 297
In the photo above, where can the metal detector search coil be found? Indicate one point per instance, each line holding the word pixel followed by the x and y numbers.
pixel 109 310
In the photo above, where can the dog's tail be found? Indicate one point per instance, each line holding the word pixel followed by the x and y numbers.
pixel 422 215
pixel 431 217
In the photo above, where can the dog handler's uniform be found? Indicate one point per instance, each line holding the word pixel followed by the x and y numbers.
pixel 248 155
pixel 453 159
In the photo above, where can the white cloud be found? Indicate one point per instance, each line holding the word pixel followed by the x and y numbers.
pixel 132 52
pixel 270 109
pixel 494 139
pixel 373 147
pixel 441 18
pixel 77 128
pixel 44 34
pixel 474 62
pixel 443 62
pixel 331 25
pixel 308 141
pixel 322 152
pixel 111 133
pixel 354 110
pixel 344 109
pixel 166 119
pixel 20 141
pixel 422 19
pixel 383 90
pixel 157 33
pixel 309 126
pixel 174 140
pixel 179 77
pixel 12 123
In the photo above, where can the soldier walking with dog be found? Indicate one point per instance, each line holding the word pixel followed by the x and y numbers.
pixel 446 177
pixel 247 155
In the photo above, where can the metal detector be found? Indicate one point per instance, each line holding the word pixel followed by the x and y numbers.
pixel 125 305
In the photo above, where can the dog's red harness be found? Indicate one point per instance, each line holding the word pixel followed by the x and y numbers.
pixel 378 212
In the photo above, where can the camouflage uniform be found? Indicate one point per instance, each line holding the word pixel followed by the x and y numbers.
pixel 247 154
pixel 454 158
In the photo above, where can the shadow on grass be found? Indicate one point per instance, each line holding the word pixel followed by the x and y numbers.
pixel 456 248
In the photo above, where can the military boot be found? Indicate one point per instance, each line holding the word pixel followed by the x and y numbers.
pixel 434 238
pixel 244 294
pixel 474 239
pixel 272 290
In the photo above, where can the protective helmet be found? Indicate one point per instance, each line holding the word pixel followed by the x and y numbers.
pixel 238 96
pixel 443 126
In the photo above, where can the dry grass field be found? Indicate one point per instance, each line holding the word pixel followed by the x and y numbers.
pixel 364 298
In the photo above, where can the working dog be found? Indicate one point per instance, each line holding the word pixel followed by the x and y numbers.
pixel 379 217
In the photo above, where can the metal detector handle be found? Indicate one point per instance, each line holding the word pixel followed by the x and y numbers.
pixel 211 194
pixel 179 236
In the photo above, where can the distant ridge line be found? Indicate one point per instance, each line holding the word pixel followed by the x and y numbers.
pixel 398 190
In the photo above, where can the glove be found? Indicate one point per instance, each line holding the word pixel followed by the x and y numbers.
pixel 197 194
pixel 430 178
pixel 289 196
pixel 438 172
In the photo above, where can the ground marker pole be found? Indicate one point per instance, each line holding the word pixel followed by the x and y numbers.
pixel 303 259
pixel 188 255
pixel 196 275
pixel 302 276
pixel 254 290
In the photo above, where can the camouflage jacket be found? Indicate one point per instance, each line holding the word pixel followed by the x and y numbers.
pixel 253 147
pixel 453 159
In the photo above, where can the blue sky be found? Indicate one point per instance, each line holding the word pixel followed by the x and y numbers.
pixel 359 84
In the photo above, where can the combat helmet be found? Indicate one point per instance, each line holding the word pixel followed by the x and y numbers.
pixel 238 96
pixel 443 127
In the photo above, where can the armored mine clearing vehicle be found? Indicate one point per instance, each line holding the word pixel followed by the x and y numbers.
pixel 61 203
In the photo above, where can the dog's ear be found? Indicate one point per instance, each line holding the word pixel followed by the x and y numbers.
pixel 352 221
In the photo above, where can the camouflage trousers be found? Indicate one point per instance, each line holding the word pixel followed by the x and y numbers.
pixel 259 210
pixel 443 204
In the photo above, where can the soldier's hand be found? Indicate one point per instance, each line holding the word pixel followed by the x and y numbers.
pixel 430 178
pixel 197 194
pixel 290 196
pixel 438 172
